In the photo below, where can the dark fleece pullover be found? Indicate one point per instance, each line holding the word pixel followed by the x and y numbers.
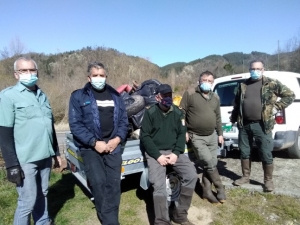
pixel 202 115
pixel 163 131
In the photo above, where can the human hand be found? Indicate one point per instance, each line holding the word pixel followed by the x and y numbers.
pixel 163 160
pixel 221 140
pixel 187 137
pixel 113 143
pixel 15 175
pixel 172 158
pixel 101 147
pixel 57 161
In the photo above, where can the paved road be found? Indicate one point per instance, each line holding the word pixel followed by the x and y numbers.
pixel 61 139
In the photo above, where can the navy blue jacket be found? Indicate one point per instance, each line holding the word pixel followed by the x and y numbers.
pixel 84 118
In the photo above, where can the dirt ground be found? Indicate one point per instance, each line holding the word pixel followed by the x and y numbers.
pixel 286 174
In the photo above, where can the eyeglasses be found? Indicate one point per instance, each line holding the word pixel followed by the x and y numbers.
pixel 260 69
pixel 27 70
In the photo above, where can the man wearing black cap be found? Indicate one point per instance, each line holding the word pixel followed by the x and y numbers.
pixel 163 139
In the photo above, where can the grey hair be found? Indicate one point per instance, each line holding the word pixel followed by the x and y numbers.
pixel 255 61
pixel 25 59
pixel 97 65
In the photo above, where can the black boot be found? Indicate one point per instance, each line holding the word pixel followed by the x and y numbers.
pixel 216 180
pixel 206 189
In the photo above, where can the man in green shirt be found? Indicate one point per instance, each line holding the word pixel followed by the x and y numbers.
pixel 204 131
pixel 28 142
pixel 163 138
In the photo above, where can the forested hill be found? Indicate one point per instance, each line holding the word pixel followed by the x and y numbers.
pixel 60 74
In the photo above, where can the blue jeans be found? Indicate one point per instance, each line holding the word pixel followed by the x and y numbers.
pixel 33 193
pixel 103 172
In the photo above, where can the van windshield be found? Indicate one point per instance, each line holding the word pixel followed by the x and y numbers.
pixel 226 91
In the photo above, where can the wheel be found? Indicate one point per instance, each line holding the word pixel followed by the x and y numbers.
pixel 136 106
pixel 294 150
pixel 173 184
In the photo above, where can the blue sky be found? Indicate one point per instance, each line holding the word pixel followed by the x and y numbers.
pixel 163 31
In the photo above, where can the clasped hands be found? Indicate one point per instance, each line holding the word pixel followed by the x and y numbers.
pixel 103 147
pixel 165 160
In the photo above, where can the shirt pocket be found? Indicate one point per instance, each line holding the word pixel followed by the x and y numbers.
pixel 24 110
pixel 47 110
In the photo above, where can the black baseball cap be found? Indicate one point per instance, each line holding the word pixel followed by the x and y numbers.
pixel 164 88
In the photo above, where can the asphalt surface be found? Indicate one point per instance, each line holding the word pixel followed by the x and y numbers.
pixel 286 176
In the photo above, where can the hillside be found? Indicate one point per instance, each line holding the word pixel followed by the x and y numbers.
pixel 61 74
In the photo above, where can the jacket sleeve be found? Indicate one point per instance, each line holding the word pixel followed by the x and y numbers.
pixel 180 142
pixel 123 122
pixel 77 127
pixel 55 142
pixel 146 138
pixel 218 118
pixel 184 103
pixel 7 145
pixel 7 140
pixel 286 95
pixel 236 106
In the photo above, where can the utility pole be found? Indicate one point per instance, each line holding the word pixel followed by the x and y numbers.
pixel 243 65
pixel 278 57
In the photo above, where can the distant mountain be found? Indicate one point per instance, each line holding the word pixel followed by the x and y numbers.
pixel 233 63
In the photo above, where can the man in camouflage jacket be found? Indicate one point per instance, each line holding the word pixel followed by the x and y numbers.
pixel 254 109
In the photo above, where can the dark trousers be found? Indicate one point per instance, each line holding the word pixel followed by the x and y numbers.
pixel 264 142
pixel 103 172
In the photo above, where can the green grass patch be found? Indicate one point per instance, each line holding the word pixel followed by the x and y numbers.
pixel 69 204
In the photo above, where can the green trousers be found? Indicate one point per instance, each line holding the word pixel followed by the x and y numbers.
pixel 253 131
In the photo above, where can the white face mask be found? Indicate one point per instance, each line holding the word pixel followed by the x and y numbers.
pixel 98 82
pixel 28 79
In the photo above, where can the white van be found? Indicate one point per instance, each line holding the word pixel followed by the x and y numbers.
pixel 285 133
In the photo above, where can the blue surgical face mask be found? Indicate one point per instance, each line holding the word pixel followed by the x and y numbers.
pixel 28 79
pixel 205 86
pixel 167 102
pixel 98 82
pixel 255 74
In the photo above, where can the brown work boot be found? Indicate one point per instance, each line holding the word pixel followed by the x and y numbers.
pixel 268 175
pixel 206 189
pixel 216 180
pixel 246 169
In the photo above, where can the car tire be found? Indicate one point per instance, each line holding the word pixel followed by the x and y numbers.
pixel 294 150
pixel 173 186
pixel 136 106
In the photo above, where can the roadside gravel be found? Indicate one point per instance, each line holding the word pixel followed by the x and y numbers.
pixel 286 176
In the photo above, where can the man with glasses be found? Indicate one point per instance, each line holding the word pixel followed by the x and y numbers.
pixel 201 107
pixel 28 142
pixel 99 123
pixel 256 103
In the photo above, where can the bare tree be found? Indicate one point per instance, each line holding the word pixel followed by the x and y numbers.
pixel 16 48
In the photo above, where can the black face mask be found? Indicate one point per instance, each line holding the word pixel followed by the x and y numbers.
pixel 167 102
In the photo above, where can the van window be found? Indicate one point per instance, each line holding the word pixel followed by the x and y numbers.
pixel 298 81
pixel 226 91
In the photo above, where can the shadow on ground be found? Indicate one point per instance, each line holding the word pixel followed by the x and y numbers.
pixel 63 190
pixel 132 182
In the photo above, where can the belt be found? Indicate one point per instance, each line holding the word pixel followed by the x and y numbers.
pixel 251 121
